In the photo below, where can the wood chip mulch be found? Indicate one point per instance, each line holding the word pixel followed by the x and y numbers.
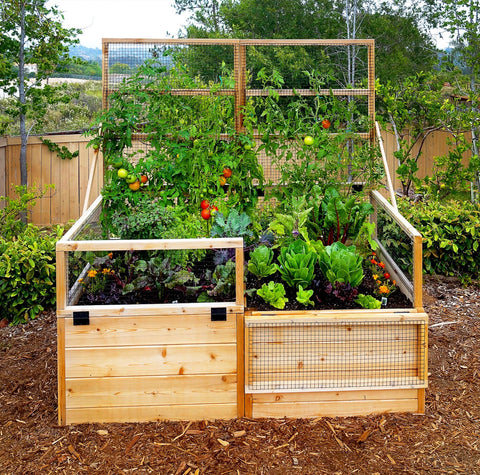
pixel 446 440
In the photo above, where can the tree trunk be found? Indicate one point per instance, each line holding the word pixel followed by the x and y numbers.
pixel 22 98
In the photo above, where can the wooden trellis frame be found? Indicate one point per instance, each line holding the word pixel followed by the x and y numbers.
pixel 240 91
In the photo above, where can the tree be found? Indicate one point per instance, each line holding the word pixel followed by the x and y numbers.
pixel 31 33
pixel 403 43
pixel 461 18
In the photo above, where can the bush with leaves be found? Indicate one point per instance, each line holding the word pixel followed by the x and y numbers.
pixel 27 267
pixel 451 236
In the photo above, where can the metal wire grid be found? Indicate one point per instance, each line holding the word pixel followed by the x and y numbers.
pixel 335 355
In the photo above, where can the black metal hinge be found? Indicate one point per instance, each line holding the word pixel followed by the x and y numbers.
pixel 218 314
pixel 81 318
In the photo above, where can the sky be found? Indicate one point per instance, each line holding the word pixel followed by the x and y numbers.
pixel 120 19
pixel 127 19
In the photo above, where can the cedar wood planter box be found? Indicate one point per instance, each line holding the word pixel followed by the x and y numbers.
pixel 126 363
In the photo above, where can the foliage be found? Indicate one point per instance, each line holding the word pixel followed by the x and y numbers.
pixel 274 294
pixel 261 262
pixel 62 152
pixel 150 219
pixel 11 222
pixel 337 219
pixel 31 33
pixel 297 264
pixel 27 268
pixel 234 225
pixel 416 108
pixel 451 235
pixel 304 296
pixel 332 158
pixel 368 301
pixel 184 141
pixel 341 264
pixel 224 279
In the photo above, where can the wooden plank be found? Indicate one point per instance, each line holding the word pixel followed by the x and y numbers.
pixel 240 346
pixel 150 330
pixel 149 391
pixel 417 272
pixel 150 310
pixel 334 384
pixel 394 214
pixel 239 277
pixel 339 395
pixel 183 412
pixel 61 371
pixel 158 360
pixel 150 244
pixel 334 409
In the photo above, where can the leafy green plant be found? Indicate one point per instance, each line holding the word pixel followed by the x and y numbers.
pixel 62 152
pixel 341 264
pixel 288 226
pixel 261 262
pixel 15 209
pixel 451 236
pixel 297 264
pixel 234 225
pixel 224 279
pixel 337 219
pixel 304 296
pixel 368 301
pixel 27 268
pixel 274 294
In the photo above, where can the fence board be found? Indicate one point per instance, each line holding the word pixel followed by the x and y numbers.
pixel 70 177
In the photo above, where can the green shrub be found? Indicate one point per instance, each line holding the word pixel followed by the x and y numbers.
pixel 27 270
pixel 451 235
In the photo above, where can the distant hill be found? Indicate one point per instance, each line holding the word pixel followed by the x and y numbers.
pixel 87 54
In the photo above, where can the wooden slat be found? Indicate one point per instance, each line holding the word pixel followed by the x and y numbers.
pixel 61 372
pixel 150 310
pixel 240 344
pixel 185 412
pixel 149 391
pixel 363 395
pixel 334 408
pixel 149 244
pixel 159 360
pixel 149 330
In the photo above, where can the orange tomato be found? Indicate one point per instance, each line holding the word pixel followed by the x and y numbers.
pixel 223 181
pixel 134 186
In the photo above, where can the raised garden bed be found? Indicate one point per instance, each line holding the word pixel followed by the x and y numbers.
pixel 146 362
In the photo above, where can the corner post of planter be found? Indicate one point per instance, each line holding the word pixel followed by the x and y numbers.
pixel 62 276
pixel 417 271
pixel 240 325
pixel 240 67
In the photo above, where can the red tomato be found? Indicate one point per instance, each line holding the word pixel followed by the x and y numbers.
pixel 204 204
pixel 326 124
pixel 227 172
pixel 144 178
pixel 205 213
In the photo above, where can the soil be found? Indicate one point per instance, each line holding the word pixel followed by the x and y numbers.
pixel 444 440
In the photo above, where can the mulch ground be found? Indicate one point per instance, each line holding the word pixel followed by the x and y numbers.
pixel 444 440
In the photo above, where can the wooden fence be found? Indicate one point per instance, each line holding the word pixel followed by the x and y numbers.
pixel 70 177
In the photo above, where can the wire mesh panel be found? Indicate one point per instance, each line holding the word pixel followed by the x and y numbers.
pixel 239 79
pixel 320 356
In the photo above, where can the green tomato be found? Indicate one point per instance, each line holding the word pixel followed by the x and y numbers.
pixel 130 178
pixel 247 146
pixel 122 173
pixel 308 140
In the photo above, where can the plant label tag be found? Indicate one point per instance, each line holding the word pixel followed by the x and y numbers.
pixel 384 300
